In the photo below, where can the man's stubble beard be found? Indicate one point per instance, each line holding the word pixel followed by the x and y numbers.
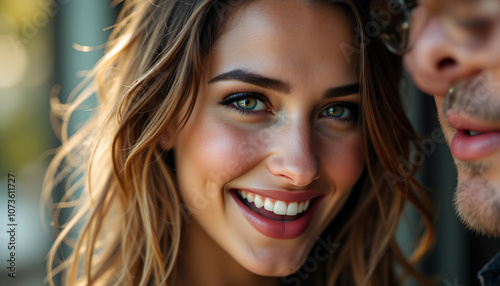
pixel 477 201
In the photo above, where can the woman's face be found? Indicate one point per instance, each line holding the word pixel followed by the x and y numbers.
pixel 272 149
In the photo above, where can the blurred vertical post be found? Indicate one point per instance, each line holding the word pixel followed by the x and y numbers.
pixel 81 31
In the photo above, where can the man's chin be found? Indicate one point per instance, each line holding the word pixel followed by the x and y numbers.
pixel 477 202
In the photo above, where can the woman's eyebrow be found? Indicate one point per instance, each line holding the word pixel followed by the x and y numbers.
pixel 253 78
pixel 343 90
pixel 279 85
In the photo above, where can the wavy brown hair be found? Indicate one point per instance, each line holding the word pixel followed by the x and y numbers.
pixel 127 217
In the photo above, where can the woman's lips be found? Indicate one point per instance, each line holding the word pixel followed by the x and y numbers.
pixel 473 140
pixel 274 225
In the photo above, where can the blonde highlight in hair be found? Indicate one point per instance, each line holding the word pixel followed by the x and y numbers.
pixel 120 185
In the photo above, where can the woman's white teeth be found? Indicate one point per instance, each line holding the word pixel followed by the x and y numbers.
pixel 268 205
pixel 250 198
pixel 292 208
pixel 276 206
pixel 258 202
pixel 301 207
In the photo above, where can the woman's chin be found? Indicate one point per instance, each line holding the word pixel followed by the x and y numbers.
pixel 274 267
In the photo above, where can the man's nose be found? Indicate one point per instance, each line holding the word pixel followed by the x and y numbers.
pixel 436 60
pixel 293 159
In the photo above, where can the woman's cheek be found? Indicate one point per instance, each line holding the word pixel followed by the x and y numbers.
pixel 213 153
pixel 343 161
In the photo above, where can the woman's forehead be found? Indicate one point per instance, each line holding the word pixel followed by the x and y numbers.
pixel 291 33
pixel 295 13
pixel 287 40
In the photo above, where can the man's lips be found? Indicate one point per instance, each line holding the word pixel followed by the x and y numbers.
pixel 473 140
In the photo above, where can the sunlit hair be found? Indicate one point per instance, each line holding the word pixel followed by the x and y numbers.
pixel 127 216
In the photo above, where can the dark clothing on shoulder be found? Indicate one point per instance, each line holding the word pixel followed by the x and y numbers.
pixel 490 274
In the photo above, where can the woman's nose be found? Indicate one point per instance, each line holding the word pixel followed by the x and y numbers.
pixel 293 159
pixel 437 60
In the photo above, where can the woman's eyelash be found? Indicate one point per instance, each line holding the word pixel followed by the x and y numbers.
pixel 242 95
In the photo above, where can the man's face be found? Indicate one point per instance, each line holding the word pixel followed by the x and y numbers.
pixel 455 56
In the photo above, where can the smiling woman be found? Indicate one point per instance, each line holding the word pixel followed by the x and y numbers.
pixel 233 139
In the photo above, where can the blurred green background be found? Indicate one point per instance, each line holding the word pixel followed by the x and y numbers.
pixel 38 58
pixel 37 55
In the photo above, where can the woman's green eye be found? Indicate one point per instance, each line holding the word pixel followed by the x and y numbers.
pixel 246 103
pixel 250 104
pixel 338 112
